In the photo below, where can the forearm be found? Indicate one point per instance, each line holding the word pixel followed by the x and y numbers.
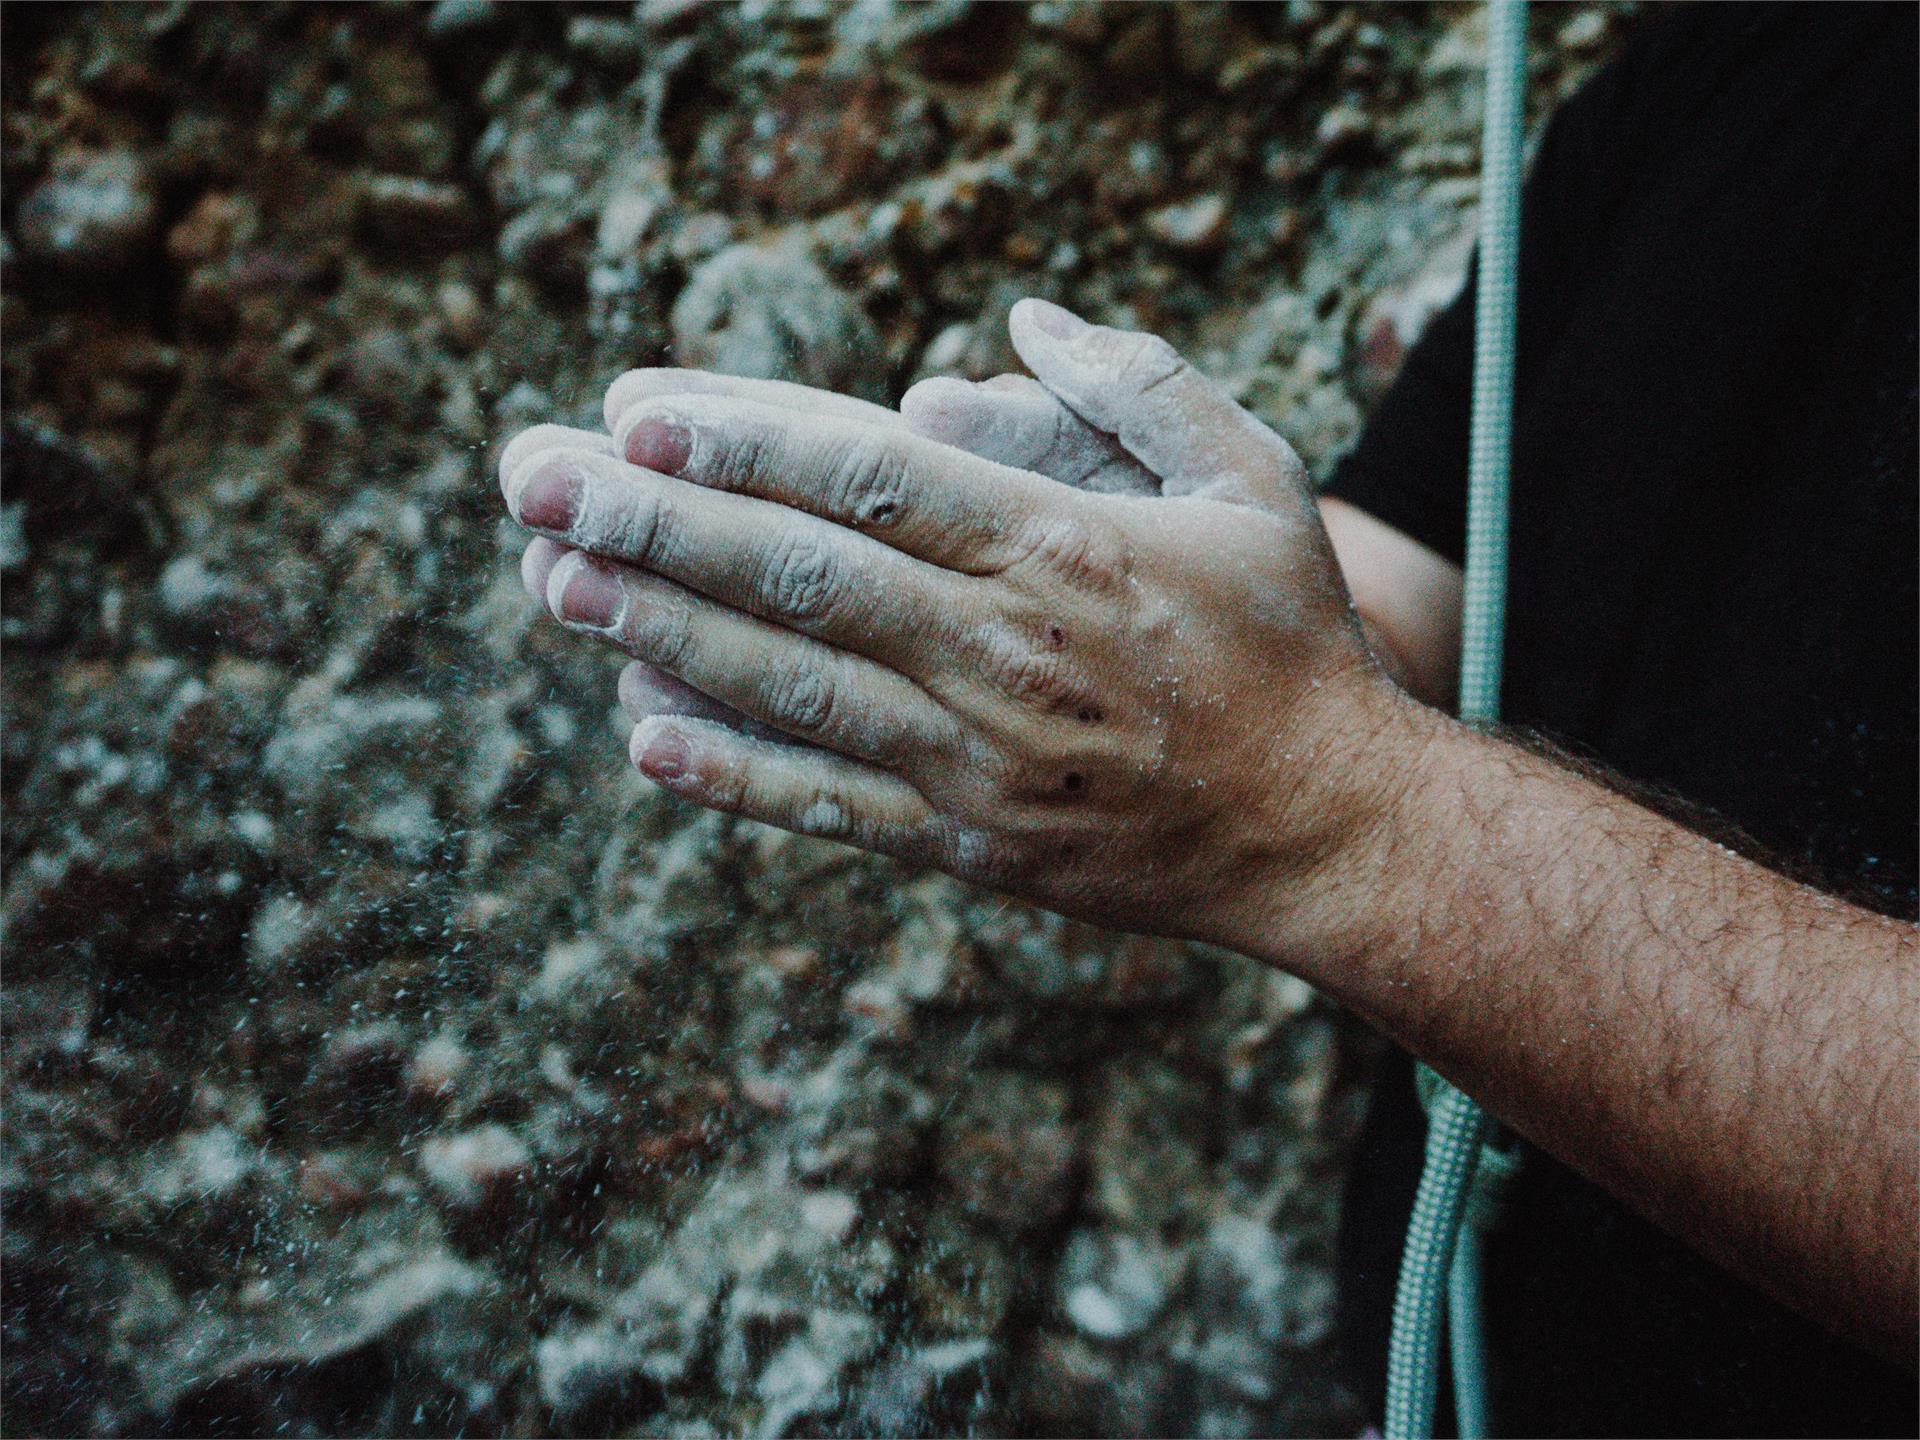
pixel 1408 598
pixel 1723 1048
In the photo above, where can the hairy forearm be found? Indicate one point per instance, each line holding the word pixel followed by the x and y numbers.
pixel 1729 1051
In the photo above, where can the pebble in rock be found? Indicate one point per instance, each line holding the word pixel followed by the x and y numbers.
pixel 462 314
pixel 454 20
pixel 1193 226
pixel 94 211
pixel 477 1166
pixel 667 14
pixel 211 228
pixel 600 40
pixel 334 1180
pixel 190 589
pixel 1112 1283
pixel 361 1060
pixel 1011 1153
pixel 410 213
pixel 434 1073
pixel 586 1371
pixel 771 312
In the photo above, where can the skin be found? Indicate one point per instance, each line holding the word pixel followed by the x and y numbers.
pixel 1085 639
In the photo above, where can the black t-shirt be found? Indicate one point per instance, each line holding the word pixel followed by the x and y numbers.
pixel 1713 591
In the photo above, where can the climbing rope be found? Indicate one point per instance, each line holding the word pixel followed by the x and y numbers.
pixel 1438 1271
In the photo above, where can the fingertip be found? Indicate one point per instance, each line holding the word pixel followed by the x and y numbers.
pixel 635 690
pixel 626 390
pixel 939 408
pixel 634 742
pixel 934 389
pixel 531 441
pixel 1043 337
pixel 651 382
pixel 1043 317
pixel 660 750
pixel 536 565
pixel 548 495
pixel 588 595
pixel 648 690
pixel 565 568
pixel 658 443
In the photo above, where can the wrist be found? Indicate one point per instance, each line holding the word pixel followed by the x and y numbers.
pixel 1339 866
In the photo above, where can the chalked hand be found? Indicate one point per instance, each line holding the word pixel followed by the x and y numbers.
pixel 1141 708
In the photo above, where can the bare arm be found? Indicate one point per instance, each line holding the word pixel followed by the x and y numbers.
pixel 1643 993
pixel 1729 1051
pixel 1716 1010
pixel 1408 598
pixel 1153 706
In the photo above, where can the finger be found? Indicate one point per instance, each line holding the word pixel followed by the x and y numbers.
pixel 808 791
pixel 789 682
pixel 1017 421
pixel 648 690
pixel 549 437
pixel 910 493
pixel 765 559
pixel 651 384
pixel 1166 414
pixel 536 564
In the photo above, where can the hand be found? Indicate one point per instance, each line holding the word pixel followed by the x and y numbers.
pixel 1157 712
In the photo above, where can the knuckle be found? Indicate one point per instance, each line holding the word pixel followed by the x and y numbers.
pixel 1147 362
pixel 661 634
pixel 980 856
pixel 800 698
pixel 803 581
pixel 819 810
pixel 1289 470
pixel 1059 442
pixel 1084 555
pixel 870 485
pixel 639 524
pixel 1028 673
pixel 729 456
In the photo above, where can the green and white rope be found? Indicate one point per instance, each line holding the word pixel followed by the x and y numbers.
pixel 1434 1265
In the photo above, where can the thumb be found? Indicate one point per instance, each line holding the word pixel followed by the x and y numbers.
pixel 1019 422
pixel 1166 414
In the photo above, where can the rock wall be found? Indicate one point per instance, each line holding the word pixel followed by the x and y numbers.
pixel 382 1055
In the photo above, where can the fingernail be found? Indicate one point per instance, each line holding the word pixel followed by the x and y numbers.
pixel 1050 319
pixel 658 444
pixel 590 596
pixel 549 498
pixel 661 753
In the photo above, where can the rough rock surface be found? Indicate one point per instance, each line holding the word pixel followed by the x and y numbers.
pixel 382 1056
